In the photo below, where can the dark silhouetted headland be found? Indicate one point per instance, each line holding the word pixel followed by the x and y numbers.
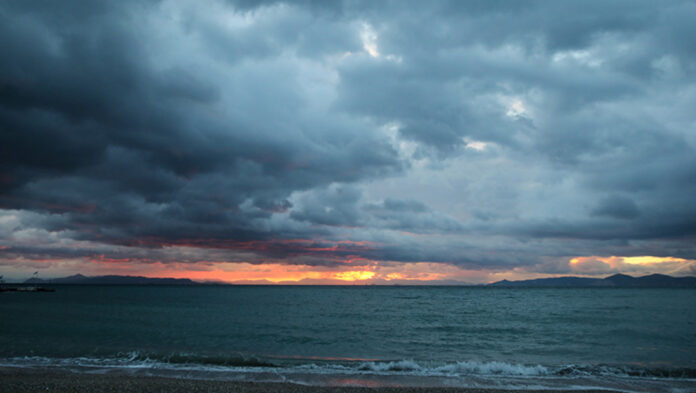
pixel 615 281
pixel 112 280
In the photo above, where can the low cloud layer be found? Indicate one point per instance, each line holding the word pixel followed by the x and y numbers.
pixel 486 136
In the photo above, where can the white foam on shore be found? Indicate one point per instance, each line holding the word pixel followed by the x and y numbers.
pixel 499 375
pixel 458 368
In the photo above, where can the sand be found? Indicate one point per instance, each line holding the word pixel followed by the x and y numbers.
pixel 23 380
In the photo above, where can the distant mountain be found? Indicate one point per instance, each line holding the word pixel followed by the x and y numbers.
pixel 552 282
pixel 615 281
pixel 112 280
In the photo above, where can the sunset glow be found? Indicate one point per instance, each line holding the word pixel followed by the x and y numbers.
pixel 245 273
pixel 636 264
pixel 345 271
pixel 354 275
pixel 642 260
pixel 648 260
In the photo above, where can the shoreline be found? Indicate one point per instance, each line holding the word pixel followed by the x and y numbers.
pixel 30 380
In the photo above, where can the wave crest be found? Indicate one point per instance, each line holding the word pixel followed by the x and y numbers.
pixel 252 364
pixel 458 368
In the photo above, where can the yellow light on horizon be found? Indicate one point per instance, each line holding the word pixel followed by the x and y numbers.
pixel 639 260
pixel 354 275
pixel 643 260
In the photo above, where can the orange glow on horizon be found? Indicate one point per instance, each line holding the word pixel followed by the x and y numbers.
pixel 354 275
pixel 348 270
pixel 244 272
pixel 276 273
pixel 273 273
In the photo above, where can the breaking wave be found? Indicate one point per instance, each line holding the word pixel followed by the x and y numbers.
pixel 252 364
pixel 457 368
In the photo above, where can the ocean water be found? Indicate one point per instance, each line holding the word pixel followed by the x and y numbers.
pixel 638 340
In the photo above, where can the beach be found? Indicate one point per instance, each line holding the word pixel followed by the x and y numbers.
pixel 22 380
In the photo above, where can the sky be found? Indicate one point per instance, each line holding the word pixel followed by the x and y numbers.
pixel 319 142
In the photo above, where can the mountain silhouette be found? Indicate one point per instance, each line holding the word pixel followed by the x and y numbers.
pixel 112 280
pixel 614 281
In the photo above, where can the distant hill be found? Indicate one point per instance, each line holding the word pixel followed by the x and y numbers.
pixel 112 280
pixel 615 281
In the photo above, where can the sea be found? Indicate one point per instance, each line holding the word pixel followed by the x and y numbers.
pixel 632 340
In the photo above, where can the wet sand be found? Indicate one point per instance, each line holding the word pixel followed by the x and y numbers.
pixel 22 380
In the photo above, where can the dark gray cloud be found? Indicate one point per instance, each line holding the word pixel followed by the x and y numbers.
pixel 484 134
pixel 617 207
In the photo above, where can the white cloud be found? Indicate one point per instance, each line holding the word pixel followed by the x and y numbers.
pixel 369 37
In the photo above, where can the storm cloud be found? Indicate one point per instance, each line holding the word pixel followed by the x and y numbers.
pixel 486 135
